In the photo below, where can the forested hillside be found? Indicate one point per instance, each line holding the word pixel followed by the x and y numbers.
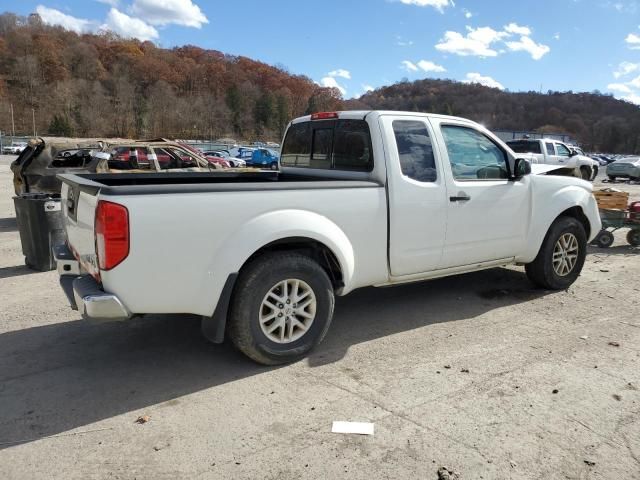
pixel 600 122
pixel 102 85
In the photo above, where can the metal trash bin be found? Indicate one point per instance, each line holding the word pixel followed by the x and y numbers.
pixel 40 223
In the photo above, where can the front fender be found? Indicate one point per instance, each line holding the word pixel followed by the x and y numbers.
pixel 267 228
pixel 549 203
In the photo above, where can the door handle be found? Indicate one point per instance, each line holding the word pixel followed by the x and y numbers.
pixel 460 198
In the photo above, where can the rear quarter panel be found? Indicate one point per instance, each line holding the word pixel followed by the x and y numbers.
pixel 184 246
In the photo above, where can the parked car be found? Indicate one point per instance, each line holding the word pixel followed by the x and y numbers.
pixel 36 168
pixel 362 199
pixel 223 163
pixel 552 152
pixel 264 158
pixel 223 154
pixel 241 152
pixel 624 168
pixel 14 149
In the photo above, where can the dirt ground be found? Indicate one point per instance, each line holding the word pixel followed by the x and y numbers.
pixel 480 373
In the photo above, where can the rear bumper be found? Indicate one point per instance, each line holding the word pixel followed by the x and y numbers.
pixel 84 293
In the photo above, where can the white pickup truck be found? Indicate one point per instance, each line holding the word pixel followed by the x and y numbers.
pixel 553 152
pixel 362 199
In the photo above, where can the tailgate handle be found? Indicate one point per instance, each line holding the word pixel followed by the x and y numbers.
pixel 462 198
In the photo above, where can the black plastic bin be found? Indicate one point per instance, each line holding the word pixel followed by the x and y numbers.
pixel 40 224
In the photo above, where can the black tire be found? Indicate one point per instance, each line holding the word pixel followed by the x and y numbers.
pixel 541 271
pixel 604 239
pixel 273 166
pixel 253 284
pixel 633 237
pixel 611 178
pixel 585 173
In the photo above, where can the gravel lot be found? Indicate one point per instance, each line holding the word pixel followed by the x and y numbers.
pixel 479 373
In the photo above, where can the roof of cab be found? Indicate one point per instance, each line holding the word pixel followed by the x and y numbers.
pixel 361 114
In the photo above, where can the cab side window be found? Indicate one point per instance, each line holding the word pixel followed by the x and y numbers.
pixel 473 156
pixel 562 150
pixel 415 150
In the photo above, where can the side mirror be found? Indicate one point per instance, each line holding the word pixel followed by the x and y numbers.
pixel 521 168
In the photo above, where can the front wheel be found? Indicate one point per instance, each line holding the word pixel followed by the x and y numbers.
pixel 561 256
pixel 281 308
pixel 585 174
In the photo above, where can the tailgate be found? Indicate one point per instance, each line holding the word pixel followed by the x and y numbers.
pixel 78 209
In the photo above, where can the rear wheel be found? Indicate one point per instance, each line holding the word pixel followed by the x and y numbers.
pixel 282 307
pixel 561 256
pixel 274 166
pixel 633 237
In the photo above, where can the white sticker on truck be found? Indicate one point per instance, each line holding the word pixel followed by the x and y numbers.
pixel 52 206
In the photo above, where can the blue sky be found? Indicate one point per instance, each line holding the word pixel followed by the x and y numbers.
pixel 579 45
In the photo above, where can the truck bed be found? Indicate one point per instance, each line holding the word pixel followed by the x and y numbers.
pixel 198 182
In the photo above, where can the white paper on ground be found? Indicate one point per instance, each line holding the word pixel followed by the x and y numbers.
pixel 361 428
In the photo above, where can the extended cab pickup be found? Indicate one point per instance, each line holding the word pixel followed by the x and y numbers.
pixel 361 199
pixel 569 159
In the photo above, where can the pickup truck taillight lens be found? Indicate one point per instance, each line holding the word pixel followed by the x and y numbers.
pixel 112 234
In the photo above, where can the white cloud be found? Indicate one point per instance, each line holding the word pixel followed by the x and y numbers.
pixel 331 82
pixel 483 80
pixel 367 88
pixel 517 29
pixel 484 42
pixel 129 27
pixel 557 36
pixel 536 50
pixel 633 41
pixel 439 5
pixel 467 13
pixel 619 87
pixel 51 16
pixel 477 42
pixel 409 66
pixel 113 3
pixel 633 98
pixel 341 72
pixel 164 12
pixel 625 68
pixel 401 42
pixel 428 66
pixel 629 91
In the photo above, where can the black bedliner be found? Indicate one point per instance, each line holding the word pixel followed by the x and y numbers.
pixel 197 182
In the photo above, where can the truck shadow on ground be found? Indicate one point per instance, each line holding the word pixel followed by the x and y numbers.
pixel 8 224
pixel 16 271
pixel 58 377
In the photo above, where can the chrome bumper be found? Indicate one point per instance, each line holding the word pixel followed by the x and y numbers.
pixel 84 293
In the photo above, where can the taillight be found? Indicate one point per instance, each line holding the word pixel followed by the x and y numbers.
pixel 112 234
pixel 324 115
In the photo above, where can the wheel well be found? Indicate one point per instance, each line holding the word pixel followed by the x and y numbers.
pixel 311 248
pixel 578 214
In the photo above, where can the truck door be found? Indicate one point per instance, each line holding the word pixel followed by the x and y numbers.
pixel 417 196
pixel 488 213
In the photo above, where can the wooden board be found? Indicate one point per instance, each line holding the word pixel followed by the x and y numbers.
pixel 612 200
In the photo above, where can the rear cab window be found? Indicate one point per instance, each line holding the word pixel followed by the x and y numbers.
pixel 341 144
pixel 525 146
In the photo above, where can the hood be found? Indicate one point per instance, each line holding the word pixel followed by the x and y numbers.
pixel 542 168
